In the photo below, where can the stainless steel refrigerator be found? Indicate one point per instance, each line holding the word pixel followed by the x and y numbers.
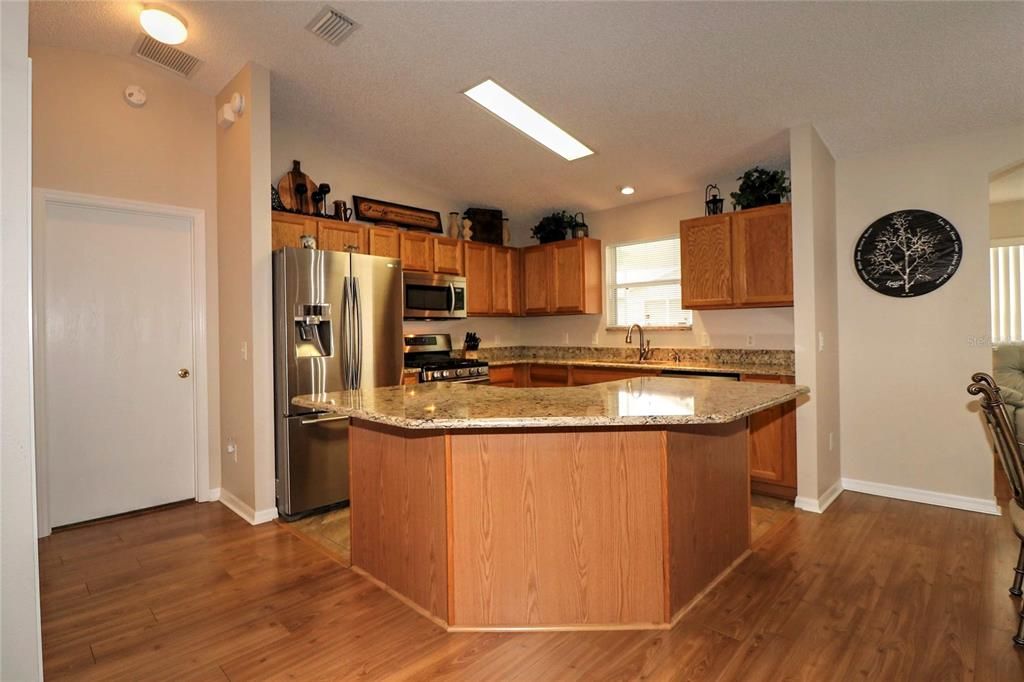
pixel 337 326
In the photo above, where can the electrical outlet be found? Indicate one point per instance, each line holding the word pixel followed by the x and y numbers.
pixel 705 340
pixel 750 339
pixel 232 449
pixel 594 340
pixel 821 341
pixel 830 434
pixel 245 350
pixel 565 338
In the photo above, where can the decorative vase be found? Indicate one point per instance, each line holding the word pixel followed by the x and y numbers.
pixel 467 229
pixel 454 226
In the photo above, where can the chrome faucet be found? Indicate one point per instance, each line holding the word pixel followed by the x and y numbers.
pixel 645 346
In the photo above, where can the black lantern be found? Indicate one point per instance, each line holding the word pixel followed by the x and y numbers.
pixel 713 201
pixel 580 229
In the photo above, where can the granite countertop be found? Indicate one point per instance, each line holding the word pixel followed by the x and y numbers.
pixel 773 370
pixel 643 401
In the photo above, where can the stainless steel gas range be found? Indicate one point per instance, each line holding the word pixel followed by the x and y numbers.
pixel 432 355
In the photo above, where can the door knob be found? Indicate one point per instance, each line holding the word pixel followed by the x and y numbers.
pixel 183 373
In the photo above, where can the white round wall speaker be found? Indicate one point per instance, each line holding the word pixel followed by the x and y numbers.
pixel 135 95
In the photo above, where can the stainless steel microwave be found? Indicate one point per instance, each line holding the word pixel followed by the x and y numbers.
pixel 434 297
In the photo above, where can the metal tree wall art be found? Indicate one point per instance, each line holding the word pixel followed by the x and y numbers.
pixel 908 253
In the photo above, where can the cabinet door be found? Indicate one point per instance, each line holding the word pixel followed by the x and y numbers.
pixel 536 279
pixel 772 444
pixel 383 241
pixel 447 255
pixel 705 247
pixel 335 235
pixel 478 278
pixel 584 376
pixel 287 229
pixel 549 375
pixel 504 281
pixel 763 256
pixel 503 376
pixel 417 251
pixel 567 277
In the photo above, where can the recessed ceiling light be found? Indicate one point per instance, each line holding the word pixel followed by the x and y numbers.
pixel 163 24
pixel 627 189
pixel 518 114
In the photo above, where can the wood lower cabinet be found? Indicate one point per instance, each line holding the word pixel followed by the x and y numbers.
pixel 562 278
pixel 287 230
pixel 584 376
pixel 448 255
pixel 417 251
pixel 384 241
pixel 772 445
pixel 337 235
pixel 408 379
pixel 742 259
pixel 548 375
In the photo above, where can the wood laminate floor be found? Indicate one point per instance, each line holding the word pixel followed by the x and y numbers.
pixel 875 589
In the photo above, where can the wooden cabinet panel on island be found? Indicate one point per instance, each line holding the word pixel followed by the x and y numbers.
pixel 772 445
pixel 742 259
pixel 562 277
pixel 384 241
pixel 417 251
pixel 287 229
pixel 337 235
pixel 448 255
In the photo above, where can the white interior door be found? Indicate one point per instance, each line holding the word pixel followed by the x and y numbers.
pixel 117 326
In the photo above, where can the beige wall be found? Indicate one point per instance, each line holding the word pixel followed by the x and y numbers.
pixel 815 316
pixel 771 327
pixel 20 642
pixel 1006 220
pixel 85 138
pixel 906 418
pixel 246 349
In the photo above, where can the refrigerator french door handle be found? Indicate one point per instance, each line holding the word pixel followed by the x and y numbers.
pixel 358 319
pixel 451 290
pixel 346 358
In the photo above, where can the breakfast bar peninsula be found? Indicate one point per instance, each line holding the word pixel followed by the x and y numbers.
pixel 612 505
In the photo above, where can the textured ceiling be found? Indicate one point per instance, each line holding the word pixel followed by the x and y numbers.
pixel 670 95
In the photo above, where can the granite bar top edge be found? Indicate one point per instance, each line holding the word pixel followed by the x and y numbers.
pixel 773 370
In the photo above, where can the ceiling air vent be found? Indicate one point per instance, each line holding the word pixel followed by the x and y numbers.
pixel 332 26
pixel 170 58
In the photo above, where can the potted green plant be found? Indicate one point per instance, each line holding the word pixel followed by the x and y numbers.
pixel 760 187
pixel 554 227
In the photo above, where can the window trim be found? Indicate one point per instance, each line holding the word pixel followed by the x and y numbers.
pixel 610 267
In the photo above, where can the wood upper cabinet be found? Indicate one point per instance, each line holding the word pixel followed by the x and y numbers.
pixel 287 229
pixel 337 235
pixel 742 259
pixel 536 278
pixel 705 248
pixel 448 254
pixel 417 251
pixel 504 281
pixel 772 444
pixel 562 277
pixel 479 292
pixel 383 241
pixel 763 256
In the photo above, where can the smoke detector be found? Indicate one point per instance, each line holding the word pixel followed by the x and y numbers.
pixel 332 26
pixel 166 56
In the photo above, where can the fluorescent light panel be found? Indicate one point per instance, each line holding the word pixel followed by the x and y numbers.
pixel 518 114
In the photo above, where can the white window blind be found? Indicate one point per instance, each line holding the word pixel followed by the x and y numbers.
pixel 1007 288
pixel 643 285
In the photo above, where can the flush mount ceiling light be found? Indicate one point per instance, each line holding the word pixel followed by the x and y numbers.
pixel 627 190
pixel 520 115
pixel 163 24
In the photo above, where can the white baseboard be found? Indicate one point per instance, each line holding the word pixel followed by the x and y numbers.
pixel 819 505
pixel 973 504
pixel 213 495
pixel 254 517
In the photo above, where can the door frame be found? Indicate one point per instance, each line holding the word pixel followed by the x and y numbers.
pixel 42 198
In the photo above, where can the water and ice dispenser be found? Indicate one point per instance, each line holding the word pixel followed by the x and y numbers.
pixel 313 330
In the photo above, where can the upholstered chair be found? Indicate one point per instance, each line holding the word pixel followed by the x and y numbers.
pixel 1004 438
